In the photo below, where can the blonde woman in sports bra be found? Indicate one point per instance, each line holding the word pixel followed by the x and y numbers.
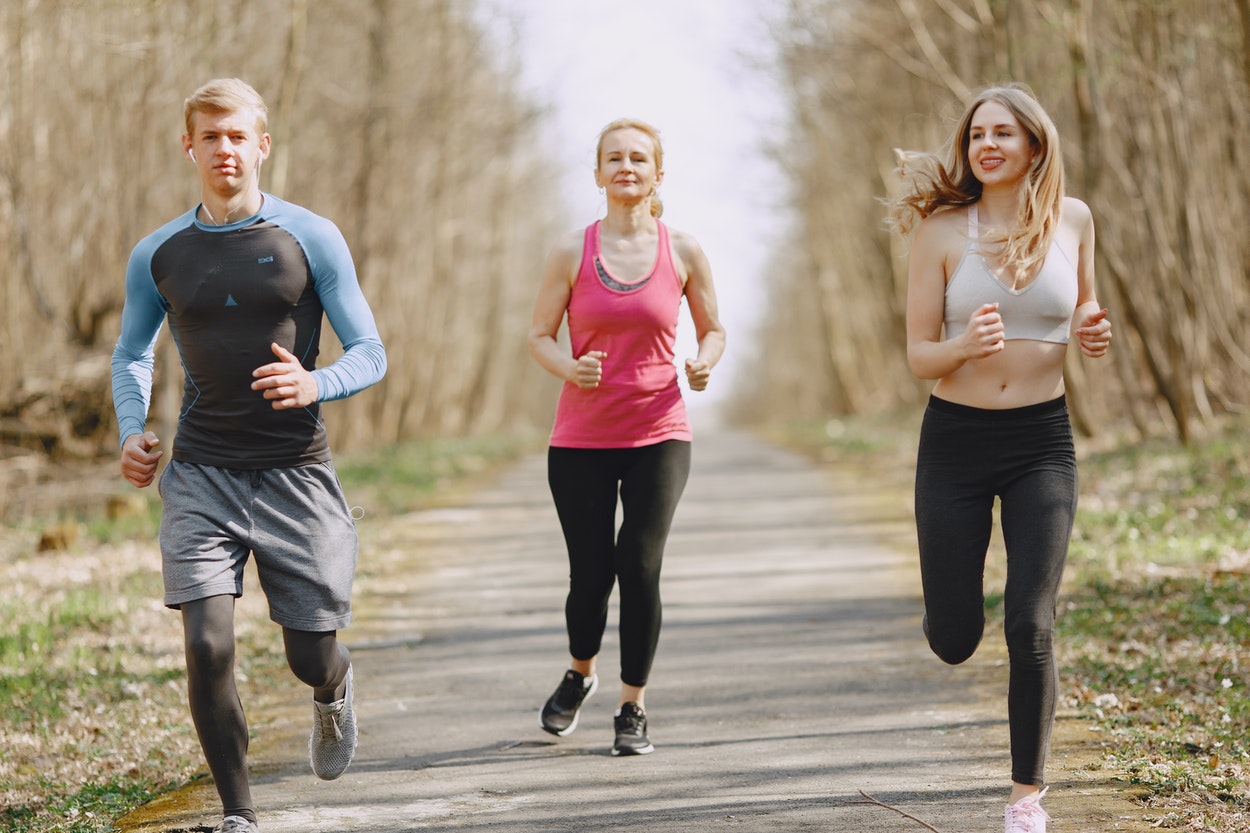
pixel 1000 279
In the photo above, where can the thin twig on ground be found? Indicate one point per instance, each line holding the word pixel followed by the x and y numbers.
pixel 923 824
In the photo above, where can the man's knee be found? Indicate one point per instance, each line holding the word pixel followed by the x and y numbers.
pixel 209 652
pixel 316 659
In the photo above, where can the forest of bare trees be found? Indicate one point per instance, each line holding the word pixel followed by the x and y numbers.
pixel 1151 101
pixel 400 120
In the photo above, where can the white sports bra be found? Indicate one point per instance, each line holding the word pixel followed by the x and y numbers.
pixel 1040 311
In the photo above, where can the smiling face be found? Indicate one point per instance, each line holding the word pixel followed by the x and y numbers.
pixel 227 147
pixel 628 168
pixel 1000 150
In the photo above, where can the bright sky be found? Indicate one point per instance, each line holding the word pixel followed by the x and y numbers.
pixel 689 67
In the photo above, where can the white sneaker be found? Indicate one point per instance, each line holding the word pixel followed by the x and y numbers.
pixel 1026 815
pixel 236 824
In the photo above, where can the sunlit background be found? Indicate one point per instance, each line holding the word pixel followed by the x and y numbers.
pixel 699 71
pixel 452 141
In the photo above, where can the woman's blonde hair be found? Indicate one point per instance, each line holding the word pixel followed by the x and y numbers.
pixel 225 95
pixel 933 181
pixel 657 207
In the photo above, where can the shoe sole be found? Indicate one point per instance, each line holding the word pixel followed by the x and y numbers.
pixel 558 732
pixel 626 753
pixel 594 686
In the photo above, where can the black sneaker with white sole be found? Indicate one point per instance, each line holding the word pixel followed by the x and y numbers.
pixel 559 714
pixel 631 731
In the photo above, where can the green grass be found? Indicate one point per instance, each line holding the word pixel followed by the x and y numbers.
pixel 1157 622
pixel 396 480
pixel 142 522
pixel 40 660
pixel 89 810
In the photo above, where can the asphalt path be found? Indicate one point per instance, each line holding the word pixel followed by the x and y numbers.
pixel 792 691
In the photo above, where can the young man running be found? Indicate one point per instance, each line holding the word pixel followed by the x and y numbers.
pixel 243 280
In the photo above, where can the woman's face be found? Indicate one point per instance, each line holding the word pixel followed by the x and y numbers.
pixel 1000 150
pixel 627 166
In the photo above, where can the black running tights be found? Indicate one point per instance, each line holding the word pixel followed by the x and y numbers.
pixel 1025 457
pixel 317 659
pixel 584 484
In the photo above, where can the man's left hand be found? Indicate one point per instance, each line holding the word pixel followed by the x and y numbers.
pixel 285 382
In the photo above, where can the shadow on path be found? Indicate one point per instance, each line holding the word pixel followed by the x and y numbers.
pixel 792 674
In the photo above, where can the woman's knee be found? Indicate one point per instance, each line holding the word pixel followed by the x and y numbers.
pixel 590 592
pixel 954 644
pixel 1029 637
pixel 640 575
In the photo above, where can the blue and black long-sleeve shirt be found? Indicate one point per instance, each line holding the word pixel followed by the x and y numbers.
pixel 228 292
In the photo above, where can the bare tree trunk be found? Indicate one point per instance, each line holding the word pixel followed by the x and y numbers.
pixel 1243 12
pixel 1150 108
pixel 284 121
pixel 353 141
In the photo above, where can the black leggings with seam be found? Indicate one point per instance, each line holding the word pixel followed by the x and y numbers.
pixel 1025 457
pixel 585 483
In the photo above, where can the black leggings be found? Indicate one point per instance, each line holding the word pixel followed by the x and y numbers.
pixel 317 659
pixel 584 483
pixel 1025 457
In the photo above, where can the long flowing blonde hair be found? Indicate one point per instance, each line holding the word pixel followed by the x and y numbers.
pixel 934 181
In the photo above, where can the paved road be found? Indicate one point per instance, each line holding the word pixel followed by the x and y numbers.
pixel 791 676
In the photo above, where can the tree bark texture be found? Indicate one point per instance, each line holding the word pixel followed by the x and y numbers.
pixel 1149 99
pixel 400 120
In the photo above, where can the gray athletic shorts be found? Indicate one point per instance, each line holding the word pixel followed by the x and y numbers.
pixel 294 520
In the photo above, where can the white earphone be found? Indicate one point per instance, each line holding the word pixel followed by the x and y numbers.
pixel 191 153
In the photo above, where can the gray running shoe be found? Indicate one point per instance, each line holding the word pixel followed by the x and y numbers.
pixel 236 824
pixel 631 732
pixel 559 714
pixel 333 740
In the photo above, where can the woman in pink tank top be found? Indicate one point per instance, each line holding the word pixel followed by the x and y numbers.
pixel 621 429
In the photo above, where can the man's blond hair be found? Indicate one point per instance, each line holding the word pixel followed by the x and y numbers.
pixel 226 95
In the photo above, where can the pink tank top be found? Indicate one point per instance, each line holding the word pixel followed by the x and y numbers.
pixel 638 401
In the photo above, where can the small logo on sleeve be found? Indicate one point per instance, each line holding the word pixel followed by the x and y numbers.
pixel 230 302
pixel 265 259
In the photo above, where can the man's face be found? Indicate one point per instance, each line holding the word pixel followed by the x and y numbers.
pixel 227 148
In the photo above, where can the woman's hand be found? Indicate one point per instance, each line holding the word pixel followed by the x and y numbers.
pixel 697 373
pixel 1094 334
pixel 589 370
pixel 984 336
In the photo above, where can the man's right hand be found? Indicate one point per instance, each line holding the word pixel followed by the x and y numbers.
pixel 140 457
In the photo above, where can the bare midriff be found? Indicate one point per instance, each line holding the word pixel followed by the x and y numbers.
pixel 1024 373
